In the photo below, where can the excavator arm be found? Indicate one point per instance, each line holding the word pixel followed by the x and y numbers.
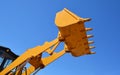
pixel 71 31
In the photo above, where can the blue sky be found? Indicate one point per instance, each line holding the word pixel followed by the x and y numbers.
pixel 26 23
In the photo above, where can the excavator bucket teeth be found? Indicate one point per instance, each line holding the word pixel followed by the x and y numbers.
pixel 73 31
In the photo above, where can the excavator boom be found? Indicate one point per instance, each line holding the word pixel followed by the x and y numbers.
pixel 72 32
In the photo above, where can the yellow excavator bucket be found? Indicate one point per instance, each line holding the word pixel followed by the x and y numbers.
pixel 73 31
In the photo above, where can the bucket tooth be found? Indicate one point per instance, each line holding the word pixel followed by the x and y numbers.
pixel 87 19
pixel 89 36
pixel 92 52
pixel 91 47
pixel 90 42
pixel 88 29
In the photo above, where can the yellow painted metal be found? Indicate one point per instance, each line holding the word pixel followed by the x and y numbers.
pixel 50 52
pixel 33 52
pixel 45 61
pixel 73 31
